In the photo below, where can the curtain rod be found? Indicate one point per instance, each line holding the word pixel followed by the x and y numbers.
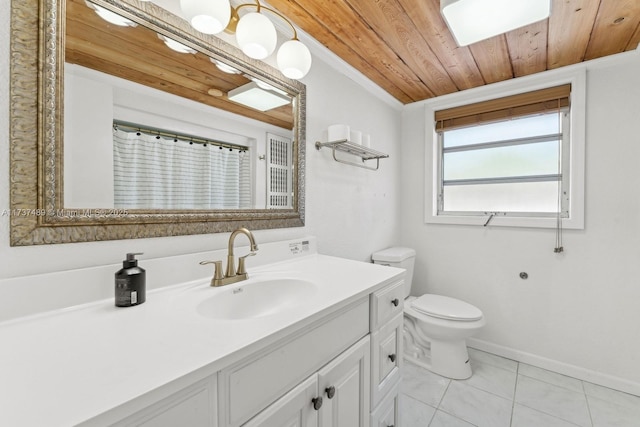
pixel 132 127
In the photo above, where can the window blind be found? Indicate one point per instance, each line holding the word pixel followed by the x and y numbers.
pixel 524 104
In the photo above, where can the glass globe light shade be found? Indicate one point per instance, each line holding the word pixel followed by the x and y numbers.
pixel 294 59
pixel 207 16
pixel 256 35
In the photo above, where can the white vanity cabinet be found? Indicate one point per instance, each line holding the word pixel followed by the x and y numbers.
pixel 340 370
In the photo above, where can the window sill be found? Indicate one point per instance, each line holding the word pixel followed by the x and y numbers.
pixel 502 221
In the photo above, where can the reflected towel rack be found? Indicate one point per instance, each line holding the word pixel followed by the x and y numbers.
pixel 346 146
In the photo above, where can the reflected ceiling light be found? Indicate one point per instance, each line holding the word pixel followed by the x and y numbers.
pixel 473 20
pixel 225 68
pixel 256 34
pixel 253 96
pixel 265 85
pixel 174 45
pixel 110 16
pixel 207 16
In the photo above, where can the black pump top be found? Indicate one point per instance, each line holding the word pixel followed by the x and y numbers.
pixel 131 260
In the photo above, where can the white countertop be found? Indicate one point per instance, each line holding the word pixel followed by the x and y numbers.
pixel 68 366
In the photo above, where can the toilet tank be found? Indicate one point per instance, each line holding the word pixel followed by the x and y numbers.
pixel 398 257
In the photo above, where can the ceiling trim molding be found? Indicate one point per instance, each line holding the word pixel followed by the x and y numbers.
pixel 533 80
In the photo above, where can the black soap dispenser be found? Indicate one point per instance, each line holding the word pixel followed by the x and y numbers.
pixel 130 283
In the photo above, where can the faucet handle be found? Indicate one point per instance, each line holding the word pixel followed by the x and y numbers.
pixel 241 264
pixel 218 268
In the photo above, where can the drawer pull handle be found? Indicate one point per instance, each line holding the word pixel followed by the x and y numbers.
pixel 395 302
pixel 317 403
pixel 331 391
pixel 392 357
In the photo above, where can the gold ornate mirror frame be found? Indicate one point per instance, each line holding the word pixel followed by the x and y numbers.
pixel 36 147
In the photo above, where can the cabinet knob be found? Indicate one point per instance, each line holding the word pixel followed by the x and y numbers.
pixel 317 403
pixel 395 302
pixel 331 391
pixel 392 357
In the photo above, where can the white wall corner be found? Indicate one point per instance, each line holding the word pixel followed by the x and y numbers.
pixel 343 67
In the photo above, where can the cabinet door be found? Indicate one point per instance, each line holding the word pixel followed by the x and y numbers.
pixel 344 385
pixel 294 409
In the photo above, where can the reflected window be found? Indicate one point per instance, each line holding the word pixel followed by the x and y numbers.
pixel 157 170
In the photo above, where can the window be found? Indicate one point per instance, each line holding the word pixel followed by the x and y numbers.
pixel 513 159
pixel 508 167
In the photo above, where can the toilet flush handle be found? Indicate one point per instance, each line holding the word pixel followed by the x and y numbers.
pixel 395 302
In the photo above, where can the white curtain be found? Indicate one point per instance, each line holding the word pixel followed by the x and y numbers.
pixel 163 173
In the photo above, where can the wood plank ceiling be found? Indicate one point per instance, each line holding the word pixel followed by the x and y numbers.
pixel 406 48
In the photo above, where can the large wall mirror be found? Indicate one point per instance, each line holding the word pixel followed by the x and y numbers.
pixel 143 127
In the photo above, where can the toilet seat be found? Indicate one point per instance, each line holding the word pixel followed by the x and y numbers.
pixel 447 308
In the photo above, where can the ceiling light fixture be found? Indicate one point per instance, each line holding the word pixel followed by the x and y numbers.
pixel 207 16
pixel 255 33
pixel 473 20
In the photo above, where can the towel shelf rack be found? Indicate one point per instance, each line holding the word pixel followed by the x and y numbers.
pixel 346 146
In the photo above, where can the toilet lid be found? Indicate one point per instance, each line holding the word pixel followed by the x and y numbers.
pixel 446 308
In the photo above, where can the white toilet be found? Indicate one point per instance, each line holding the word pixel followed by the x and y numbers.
pixel 435 326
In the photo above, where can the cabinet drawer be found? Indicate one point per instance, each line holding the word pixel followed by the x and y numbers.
pixel 386 303
pixel 251 385
pixel 386 357
pixel 292 409
pixel 387 414
pixel 194 406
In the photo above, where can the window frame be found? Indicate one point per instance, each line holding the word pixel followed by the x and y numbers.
pixel 575 161
pixel 565 139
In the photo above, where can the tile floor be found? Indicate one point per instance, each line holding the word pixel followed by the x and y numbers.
pixel 505 393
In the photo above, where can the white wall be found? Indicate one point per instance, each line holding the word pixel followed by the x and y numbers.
pixel 352 212
pixel 578 311
pixel 88 136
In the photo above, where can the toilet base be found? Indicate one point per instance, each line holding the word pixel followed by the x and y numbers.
pixel 449 359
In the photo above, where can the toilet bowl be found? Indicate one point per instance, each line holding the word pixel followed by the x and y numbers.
pixel 435 330
pixel 435 326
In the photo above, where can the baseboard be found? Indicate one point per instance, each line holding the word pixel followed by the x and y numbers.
pixel 594 377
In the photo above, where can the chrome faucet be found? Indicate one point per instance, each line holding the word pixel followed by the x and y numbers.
pixel 232 275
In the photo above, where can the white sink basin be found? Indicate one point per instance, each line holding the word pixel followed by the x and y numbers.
pixel 257 299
